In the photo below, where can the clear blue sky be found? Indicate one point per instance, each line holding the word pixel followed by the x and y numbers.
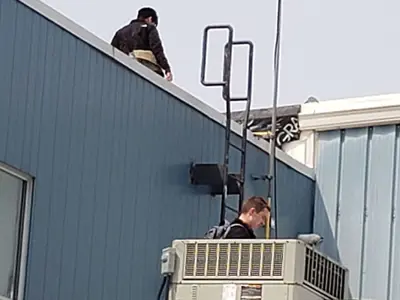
pixel 330 49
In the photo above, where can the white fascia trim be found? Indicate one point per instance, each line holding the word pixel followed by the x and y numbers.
pixel 25 239
pixel 15 172
pixel 350 113
pixel 144 72
pixel 26 226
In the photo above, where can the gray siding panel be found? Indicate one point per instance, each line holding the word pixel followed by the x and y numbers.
pixel 357 201
pixel 110 154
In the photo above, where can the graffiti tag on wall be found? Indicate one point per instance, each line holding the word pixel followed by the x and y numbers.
pixel 287 129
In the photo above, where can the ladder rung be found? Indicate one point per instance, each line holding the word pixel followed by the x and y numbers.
pixel 236 147
pixel 239 99
pixel 240 181
pixel 231 208
pixel 237 177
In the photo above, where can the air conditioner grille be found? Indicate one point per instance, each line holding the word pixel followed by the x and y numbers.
pixel 205 260
pixel 324 274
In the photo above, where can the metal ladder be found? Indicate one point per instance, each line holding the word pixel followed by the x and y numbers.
pixel 230 183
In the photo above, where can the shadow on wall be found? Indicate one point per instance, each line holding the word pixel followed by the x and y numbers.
pixel 326 229
pixel 295 201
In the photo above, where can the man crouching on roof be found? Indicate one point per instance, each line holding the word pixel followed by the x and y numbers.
pixel 141 40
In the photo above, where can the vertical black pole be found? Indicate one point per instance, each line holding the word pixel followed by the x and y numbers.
pixel 272 156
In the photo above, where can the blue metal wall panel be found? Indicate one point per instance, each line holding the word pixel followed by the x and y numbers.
pixel 356 203
pixel 111 183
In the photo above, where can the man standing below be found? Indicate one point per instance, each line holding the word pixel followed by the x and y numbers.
pixel 141 40
pixel 253 214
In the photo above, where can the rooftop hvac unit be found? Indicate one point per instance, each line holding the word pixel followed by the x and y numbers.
pixel 254 270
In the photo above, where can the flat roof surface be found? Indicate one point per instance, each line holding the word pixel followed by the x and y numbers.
pixel 84 35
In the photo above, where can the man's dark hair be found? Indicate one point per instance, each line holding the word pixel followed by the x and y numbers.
pixel 256 202
pixel 147 12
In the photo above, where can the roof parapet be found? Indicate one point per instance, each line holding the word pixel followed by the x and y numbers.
pixel 350 113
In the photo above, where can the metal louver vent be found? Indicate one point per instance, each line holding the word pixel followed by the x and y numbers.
pixel 324 275
pixel 258 261
pixel 195 291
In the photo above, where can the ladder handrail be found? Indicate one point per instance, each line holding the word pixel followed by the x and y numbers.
pixel 225 84
pixel 227 56
pixel 246 113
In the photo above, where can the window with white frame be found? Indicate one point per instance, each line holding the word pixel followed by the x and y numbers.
pixel 14 193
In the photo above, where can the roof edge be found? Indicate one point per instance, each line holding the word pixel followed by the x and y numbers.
pixel 350 113
pixel 266 113
pixel 94 41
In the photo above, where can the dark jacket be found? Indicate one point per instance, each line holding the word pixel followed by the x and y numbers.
pixel 139 35
pixel 240 232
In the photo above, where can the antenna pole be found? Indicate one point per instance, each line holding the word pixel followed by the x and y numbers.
pixel 272 155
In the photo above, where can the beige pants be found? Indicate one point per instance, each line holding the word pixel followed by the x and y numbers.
pixel 151 66
pixel 146 58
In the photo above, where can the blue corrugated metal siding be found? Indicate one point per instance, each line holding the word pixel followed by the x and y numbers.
pixel 357 201
pixel 110 153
